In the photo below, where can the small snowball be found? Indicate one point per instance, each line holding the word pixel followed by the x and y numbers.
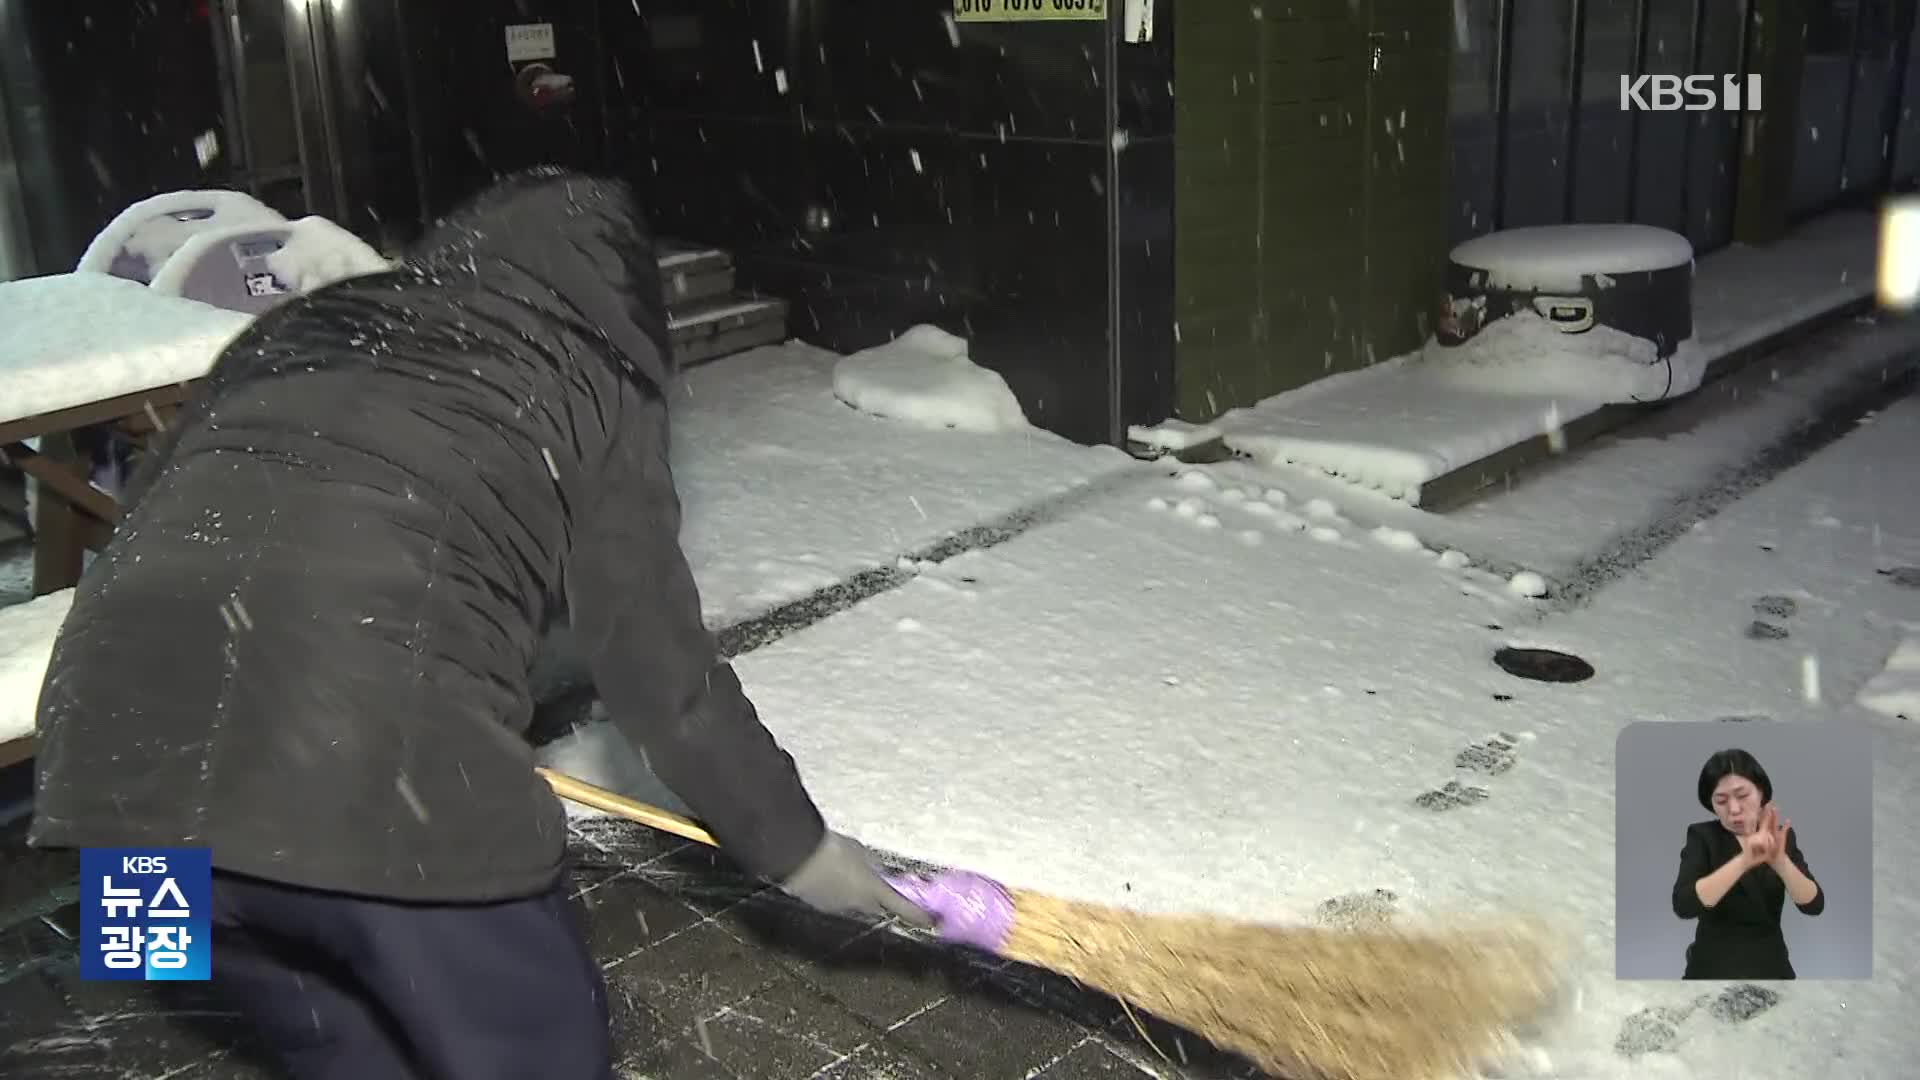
pixel 1397 539
pixel 907 625
pixel 1326 534
pixel 1276 497
pixel 1528 583
pixel 1207 521
pixel 1454 560
pixel 1195 480
pixel 1190 508
pixel 1157 503
pixel 1322 509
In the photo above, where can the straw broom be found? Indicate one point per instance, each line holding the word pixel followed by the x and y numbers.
pixel 1373 1004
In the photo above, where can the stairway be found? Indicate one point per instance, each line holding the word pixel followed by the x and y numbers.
pixel 706 317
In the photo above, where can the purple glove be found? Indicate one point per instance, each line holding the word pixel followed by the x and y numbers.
pixel 967 908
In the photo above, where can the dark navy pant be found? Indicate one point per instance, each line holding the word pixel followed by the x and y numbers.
pixel 344 988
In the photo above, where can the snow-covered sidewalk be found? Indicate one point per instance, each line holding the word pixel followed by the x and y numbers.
pixel 1405 423
pixel 1303 670
pixel 1212 696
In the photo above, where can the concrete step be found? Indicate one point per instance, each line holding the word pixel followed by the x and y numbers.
pixel 721 327
pixel 693 273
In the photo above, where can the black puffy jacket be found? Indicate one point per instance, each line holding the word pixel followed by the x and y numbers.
pixel 307 646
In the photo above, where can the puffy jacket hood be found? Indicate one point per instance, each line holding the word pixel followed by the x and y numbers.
pixel 568 244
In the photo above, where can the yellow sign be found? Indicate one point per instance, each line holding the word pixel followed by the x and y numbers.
pixel 1029 10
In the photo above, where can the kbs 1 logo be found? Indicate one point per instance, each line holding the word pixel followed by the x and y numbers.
pixel 144 914
pixel 1692 93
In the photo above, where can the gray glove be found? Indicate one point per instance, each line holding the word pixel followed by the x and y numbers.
pixel 841 877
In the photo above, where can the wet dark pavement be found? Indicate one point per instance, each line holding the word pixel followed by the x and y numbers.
pixel 709 976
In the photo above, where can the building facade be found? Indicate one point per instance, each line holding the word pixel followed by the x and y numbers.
pixel 1127 226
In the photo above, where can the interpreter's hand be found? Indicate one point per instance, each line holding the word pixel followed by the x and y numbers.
pixel 1776 828
pixel 1756 847
pixel 841 877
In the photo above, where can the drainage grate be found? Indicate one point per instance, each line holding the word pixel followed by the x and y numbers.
pixel 1543 665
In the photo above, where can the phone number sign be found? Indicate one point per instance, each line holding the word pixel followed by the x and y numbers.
pixel 1029 10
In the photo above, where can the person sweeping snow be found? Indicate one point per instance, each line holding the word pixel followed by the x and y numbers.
pixel 307 648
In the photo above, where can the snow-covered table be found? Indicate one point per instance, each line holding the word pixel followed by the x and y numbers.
pixel 84 350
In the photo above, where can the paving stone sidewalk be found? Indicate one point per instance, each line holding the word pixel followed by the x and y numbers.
pixel 710 977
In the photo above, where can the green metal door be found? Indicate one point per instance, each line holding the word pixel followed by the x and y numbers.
pixel 1310 188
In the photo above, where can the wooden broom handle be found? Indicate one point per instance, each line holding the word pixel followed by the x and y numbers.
pixel 600 798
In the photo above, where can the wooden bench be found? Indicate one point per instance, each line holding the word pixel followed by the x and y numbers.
pixel 72 516
pixel 15 751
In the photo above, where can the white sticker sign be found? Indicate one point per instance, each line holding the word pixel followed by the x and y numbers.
pixel 1029 10
pixel 529 41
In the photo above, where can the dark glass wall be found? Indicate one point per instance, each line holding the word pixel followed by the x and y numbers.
pixel 1905 164
pixel 1605 140
pixel 1855 135
pixel 1666 47
pixel 1472 114
pixel 105 104
pixel 1535 120
pixel 1713 139
pixel 1558 147
pixel 1820 146
pixel 880 165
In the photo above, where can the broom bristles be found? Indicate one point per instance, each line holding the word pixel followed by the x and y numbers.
pixel 1300 1002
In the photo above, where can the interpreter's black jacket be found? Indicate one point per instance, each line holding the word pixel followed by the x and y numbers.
pixel 307 646
pixel 1740 937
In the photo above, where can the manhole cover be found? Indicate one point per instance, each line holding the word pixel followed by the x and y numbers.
pixel 1543 665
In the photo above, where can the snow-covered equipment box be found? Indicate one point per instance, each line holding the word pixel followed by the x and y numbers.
pixel 252 267
pixel 1635 279
pixel 141 238
pixel 227 268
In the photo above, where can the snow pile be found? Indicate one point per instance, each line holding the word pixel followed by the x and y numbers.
pixel 924 377
pixel 27 632
pixel 71 339
pixel 1525 354
pixel 153 229
pixel 1896 690
pixel 1554 258
pixel 319 253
